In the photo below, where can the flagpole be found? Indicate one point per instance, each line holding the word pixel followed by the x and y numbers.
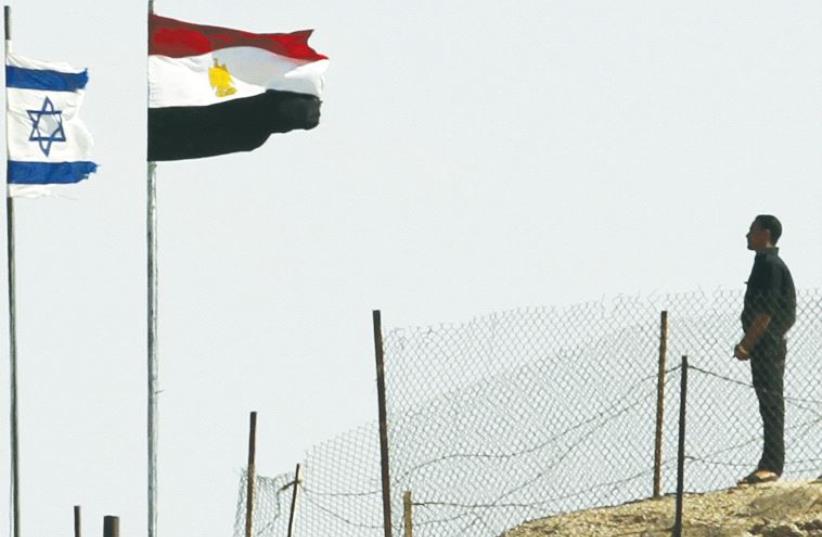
pixel 15 458
pixel 153 369
pixel 151 223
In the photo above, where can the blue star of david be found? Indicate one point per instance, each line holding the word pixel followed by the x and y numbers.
pixel 44 120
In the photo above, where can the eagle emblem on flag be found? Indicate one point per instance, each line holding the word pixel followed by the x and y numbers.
pixel 220 80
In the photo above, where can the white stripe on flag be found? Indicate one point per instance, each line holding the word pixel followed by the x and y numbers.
pixel 185 81
pixel 41 191
pixel 32 63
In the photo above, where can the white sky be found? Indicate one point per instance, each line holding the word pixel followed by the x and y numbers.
pixel 472 156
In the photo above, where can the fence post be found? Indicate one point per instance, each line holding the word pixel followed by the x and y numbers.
pixel 293 502
pixel 407 514
pixel 252 474
pixel 77 532
pixel 660 402
pixel 680 458
pixel 111 526
pixel 381 407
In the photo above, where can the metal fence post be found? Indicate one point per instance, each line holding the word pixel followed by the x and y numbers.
pixel 660 402
pixel 386 480
pixel 680 458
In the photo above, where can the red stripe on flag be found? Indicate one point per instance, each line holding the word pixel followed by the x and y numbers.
pixel 177 39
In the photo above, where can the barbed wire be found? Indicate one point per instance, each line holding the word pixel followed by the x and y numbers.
pixel 715 375
pixel 342 494
pixel 730 464
pixel 545 502
pixel 758 438
pixel 571 449
pixel 338 516
pixel 601 414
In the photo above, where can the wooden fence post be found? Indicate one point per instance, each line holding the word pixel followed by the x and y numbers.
pixel 660 402
pixel 408 514
pixel 111 526
pixel 680 459
pixel 293 502
pixel 77 529
pixel 251 474
pixel 381 407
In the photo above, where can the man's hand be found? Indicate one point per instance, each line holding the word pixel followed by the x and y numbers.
pixel 755 331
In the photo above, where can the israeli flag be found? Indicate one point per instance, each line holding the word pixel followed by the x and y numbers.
pixel 47 142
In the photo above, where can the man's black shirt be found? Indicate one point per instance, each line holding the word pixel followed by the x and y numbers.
pixel 770 291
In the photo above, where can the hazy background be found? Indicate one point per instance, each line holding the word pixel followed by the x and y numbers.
pixel 472 156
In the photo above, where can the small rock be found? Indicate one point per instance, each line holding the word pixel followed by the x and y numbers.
pixel 815 524
pixel 758 528
pixel 783 530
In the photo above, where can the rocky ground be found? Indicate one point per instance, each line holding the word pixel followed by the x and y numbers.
pixel 782 509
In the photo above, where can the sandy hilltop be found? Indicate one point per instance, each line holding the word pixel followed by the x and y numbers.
pixel 782 509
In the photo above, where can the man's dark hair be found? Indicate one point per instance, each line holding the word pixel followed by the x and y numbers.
pixel 771 223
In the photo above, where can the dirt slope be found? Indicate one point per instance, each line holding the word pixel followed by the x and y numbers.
pixel 783 509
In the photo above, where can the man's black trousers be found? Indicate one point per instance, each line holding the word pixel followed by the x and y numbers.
pixel 768 371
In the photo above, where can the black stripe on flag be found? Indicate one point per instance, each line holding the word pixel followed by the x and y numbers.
pixel 189 132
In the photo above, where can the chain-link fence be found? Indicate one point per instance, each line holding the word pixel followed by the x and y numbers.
pixel 339 492
pixel 532 412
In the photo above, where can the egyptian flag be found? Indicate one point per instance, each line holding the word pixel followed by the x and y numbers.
pixel 215 90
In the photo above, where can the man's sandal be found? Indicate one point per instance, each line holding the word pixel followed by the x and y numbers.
pixel 759 476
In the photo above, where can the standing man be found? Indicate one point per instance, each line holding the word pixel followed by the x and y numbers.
pixel 770 310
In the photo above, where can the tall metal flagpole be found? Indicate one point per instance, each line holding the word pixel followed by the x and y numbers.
pixel 151 236
pixel 15 457
pixel 151 222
